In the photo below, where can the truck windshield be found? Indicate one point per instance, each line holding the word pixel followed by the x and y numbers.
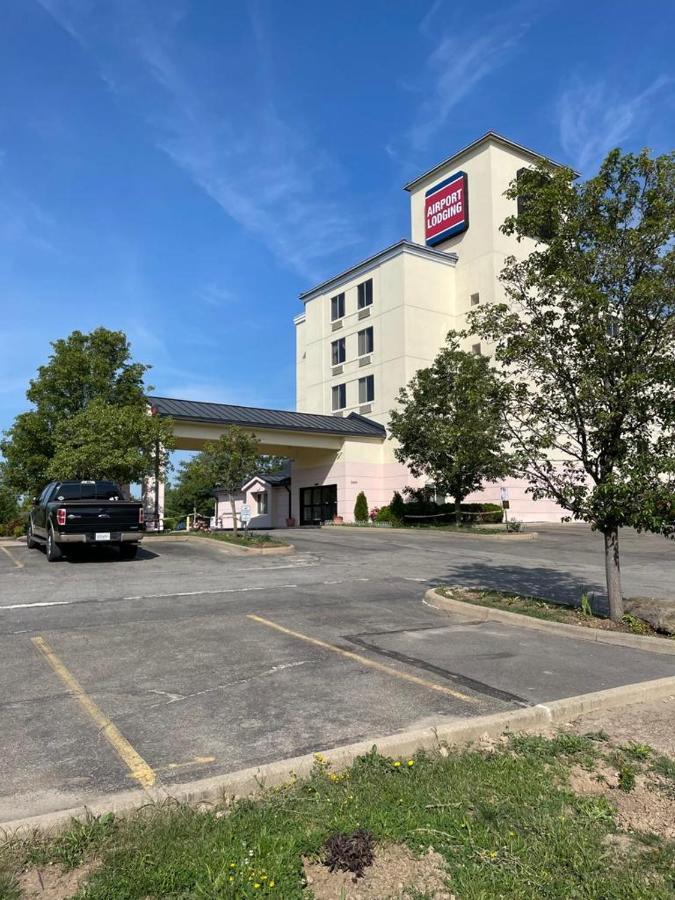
pixel 88 490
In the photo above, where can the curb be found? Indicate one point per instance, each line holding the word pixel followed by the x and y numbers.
pixel 487 614
pixel 249 782
pixel 224 547
pixel 517 536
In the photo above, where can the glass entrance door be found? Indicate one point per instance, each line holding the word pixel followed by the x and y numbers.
pixel 318 504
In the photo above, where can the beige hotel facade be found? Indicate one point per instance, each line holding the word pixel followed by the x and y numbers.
pixel 363 334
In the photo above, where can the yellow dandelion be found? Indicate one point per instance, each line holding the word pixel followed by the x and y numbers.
pixel 397 764
pixel 272 883
pixel 256 885
pixel 411 762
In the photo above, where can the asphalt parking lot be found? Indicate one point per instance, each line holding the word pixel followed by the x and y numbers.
pixel 189 662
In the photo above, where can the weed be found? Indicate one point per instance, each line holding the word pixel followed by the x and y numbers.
pixel 637 751
pixel 585 604
pixel 664 766
pixel 598 736
pixel 637 626
pixel 627 777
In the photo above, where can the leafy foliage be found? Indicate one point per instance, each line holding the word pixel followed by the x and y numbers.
pixel 449 423
pixel 192 490
pixel 228 462
pixel 397 506
pixel 587 344
pixel 9 501
pixel 89 384
pixel 361 508
pixel 106 441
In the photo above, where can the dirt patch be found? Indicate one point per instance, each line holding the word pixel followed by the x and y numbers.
pixel 51 883
pixel 394 875
pixel 648 723
pixel 645 808
pixel 601 780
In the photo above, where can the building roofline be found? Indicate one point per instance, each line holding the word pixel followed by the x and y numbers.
pixel 402 246
pixel 484 139
pixel 352 425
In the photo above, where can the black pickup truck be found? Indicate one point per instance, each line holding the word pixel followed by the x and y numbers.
pixel 85 512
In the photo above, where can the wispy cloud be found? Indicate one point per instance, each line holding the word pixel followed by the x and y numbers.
pixel 459 59
pixel 264 170
pixel 594 117
pixel 216 295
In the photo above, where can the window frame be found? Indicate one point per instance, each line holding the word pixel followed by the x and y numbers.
pixel 336 345
pixel 367 383
pixel 364 293
pixel 262 503
pixel 364 334
pixel 337 302
pixel 336 391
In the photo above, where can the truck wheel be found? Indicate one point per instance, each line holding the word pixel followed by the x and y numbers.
pixel 53 549
pixel 30 540
pixel 128 551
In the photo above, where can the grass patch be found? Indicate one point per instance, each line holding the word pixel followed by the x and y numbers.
pixel 549 611
pixel 505 823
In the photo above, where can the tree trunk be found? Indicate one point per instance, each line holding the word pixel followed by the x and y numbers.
pixel 233 504
pixel 458 511
pixel 613 574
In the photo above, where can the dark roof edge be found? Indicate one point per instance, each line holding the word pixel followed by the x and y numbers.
pixel 375 429
pixel 488 136
pixel 404 245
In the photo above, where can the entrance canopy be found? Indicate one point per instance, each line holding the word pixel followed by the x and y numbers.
pixel 280 432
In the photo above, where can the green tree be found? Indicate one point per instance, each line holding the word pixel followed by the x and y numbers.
pixel 361 508
pixel 397 506
pixel 87 378
pixel 587 344
pixel 110 441
pixel 192 490
pixel 229 461
pixel 449 424
pixel 9 501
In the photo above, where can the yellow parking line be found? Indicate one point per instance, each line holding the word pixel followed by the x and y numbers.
pixel 137 766
pixel 16 562
pixel 415 679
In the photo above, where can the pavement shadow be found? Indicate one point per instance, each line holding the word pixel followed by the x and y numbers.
pixel 537 581
pixel 76 555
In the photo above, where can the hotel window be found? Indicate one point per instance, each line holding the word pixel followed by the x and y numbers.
pixel 366 341
pixel 261 503
pixel 475 299
pixel 365 292
pixel 476 350
pixel 337 352
pixel 337 307
pixel 339 397
pixel 367 389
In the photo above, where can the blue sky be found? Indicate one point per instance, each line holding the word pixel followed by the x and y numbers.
pixel 182 170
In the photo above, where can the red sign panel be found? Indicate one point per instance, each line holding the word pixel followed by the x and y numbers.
pixel 446 209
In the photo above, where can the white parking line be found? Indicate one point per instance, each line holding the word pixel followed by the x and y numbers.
pixel 242 590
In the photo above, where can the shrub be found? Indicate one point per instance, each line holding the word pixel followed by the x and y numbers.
pixel 15 528
pixel 383 514
pixel 374 513
pixel 361 508
pixel 397 506
pixel 472 513
pixel 169 523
